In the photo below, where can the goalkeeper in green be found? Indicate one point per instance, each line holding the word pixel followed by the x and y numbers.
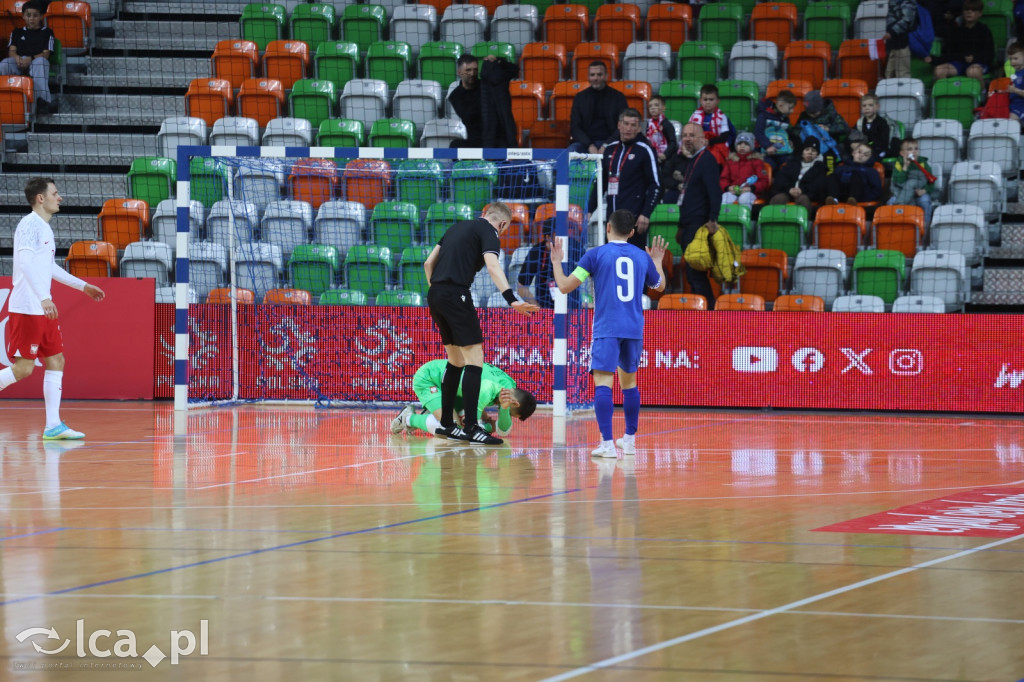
pixel 496 388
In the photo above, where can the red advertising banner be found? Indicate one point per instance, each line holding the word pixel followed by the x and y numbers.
pixel 979 513
pixel 108 346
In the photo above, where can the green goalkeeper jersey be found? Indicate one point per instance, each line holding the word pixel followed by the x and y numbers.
pixel 491 383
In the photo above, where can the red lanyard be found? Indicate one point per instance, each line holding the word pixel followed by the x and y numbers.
pixel 622 160
pixel 693 164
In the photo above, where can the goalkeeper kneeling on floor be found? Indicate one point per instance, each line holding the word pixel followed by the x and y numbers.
pixel 496 389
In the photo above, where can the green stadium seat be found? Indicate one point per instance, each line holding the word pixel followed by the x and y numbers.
pixel 437 62
pixel 956 98
pixel 827 21
pixel 343 297
pixel 263 23
pixel 419 182
pixel 411 275
pixel 395 225
pixel 340 132
pixel 506 51
pixel 312 24
pixel 368 268
pixel 879 273
pixel 399 298
pixel 363 25
pixel 700 61
pixel 738 100
pixel 314 267
pixel 998 16
pixel 337 62
pixel 665 222
pixel 735 218
pixel 582 174
pixel 313 100
pixel 473 183
pixel 208 181
pixel 389 61
pixel 152 179
pixel 442 216
pixel 393 132
pixel 681 99
pixel 722 23
pixel 783 227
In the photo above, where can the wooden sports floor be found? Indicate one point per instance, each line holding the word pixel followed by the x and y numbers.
pixel 317 546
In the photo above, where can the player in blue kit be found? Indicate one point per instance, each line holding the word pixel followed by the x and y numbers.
pixel 620 271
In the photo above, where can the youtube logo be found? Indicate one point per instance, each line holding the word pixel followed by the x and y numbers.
pixel 755 359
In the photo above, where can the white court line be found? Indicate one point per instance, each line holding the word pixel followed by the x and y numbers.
pixel 374 462
pixel 615 660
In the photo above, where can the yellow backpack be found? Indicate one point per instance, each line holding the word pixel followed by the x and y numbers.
pixel 716 253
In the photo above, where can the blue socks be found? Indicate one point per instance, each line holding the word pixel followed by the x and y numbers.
pixel 603 409
pixel 631 406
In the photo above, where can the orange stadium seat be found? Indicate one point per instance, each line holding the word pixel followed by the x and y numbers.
pixel 637 94
pixel 808 60
pixel 669 23
pixel 841 227
pixel 682 302
pixel 286 61
pixel 799 303
pixel 547 212
pixel 439 5
pixel 222 295
pixel 898 228
pixel 123 221
pixel 550 135
pixel 739 302
pixel 566 24
pixel 774 21
pixel 797 87
pixel 313 181
pixel 491 5
pixel 92 259
pixel 288 297
pixel 10 17
pixel 845 93
pixel 855 61
pixel 543 63
pixel 767 270
pixel 71 23
pixel 235 61
pixel 210 99
pixel 591 52
pixel 999 84
pixel 618 24
pixel 527 103
pixel 15 100
pixel 518 233
pixel 562 97
pixel 261 99
pixel 366 181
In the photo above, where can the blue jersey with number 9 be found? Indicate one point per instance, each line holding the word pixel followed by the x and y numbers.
pixel 620 271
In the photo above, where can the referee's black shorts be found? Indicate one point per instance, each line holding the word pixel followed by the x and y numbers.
pixel 452 308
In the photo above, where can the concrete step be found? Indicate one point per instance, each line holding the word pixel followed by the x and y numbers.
pixel 79 190
pixel 173 8
pixel 115 110
pixel 168 35
pixel 997 298
pixel 141 72
pixel 76 149
pixel 67 229
pixel 1013 235
pixel 997 279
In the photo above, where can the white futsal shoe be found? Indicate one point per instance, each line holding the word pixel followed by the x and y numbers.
pixel 628 444
pixel 605 449
pixel 401 422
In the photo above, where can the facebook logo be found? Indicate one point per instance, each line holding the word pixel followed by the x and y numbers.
pixel 755 359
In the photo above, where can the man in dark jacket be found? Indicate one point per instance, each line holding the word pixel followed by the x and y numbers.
pixel 595 112
pixel 700 201
pixel 483 102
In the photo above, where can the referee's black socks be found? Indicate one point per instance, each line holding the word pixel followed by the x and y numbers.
pixel 449 391
pixel 471 376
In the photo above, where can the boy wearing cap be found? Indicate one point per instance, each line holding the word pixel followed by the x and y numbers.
pixel 743 173
pixel 802 180
pixel 822 113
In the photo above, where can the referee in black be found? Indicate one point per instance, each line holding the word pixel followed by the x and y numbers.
pixel 464 248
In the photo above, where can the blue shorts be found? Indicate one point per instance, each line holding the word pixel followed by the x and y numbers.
pixel 1017 108
pixel 961 67
pixel 608 354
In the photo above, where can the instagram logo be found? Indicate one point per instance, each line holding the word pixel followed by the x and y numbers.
pixel 906 361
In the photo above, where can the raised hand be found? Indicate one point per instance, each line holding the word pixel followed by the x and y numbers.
pixel 657 248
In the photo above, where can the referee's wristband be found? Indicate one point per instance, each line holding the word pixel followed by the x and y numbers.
pixel 510 297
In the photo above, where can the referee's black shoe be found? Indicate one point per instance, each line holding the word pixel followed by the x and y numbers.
pixel 454 432
pixel 481 437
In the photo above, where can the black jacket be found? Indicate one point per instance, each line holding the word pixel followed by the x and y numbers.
pixel 595 115
pixel 487 110
pixel 813 183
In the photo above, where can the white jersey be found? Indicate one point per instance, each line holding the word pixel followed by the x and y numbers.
pixel 34 267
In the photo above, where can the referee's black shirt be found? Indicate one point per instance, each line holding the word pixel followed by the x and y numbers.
pixel 463 247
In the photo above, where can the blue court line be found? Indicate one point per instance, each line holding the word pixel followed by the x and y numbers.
pixel 28 535
pixel 299 543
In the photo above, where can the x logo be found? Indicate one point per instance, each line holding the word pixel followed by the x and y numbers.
pixel 857 360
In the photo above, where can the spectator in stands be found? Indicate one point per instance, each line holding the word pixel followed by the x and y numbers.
pixel 899 22
pixel 630 172
pixel 822 113
pixel 483 102
pixel 538 271
pixel 700 199
pixel 772 130
pixel 968 51
pixel 855 181
pixel 875 128
pixel 1015 55
pixel 718 129
pixel 595 112
pixel 660 133
pixel 802 180
pixel 910 181
pixel 744 175
pixel 28 53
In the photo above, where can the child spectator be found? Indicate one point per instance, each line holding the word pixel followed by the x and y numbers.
pixel 661 134
pixel 822 113
pixel 743 174
pixel 855 181
pixel 29 51
pixel 718 129
pixel 969 50
pixel 802 180
pixel 910 185
pixel 1015 54
pixel 772 130
pixel 899 22
pixel 875 128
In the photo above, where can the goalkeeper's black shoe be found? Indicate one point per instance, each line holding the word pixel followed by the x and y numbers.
pixel 454 432
pixel 477 435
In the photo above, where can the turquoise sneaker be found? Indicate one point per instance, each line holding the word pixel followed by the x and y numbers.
pixel 62 432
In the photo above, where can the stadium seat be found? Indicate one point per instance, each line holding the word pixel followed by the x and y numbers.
pixel 567 25
pixel 419 182
pixel 798 87
pixel 940 141
pixel 527 103
pixel 235 61
pixel 665 223
pixel 342 132
pixel 736 220
pixel 700 61
pixel 754 60
pixel 313 100
pixel 647 61
pixel 163 222
pixel 16 100
pixel 898 228
pixel 942 274
pixel 979 183
pixel 918 304
pixel 774 21
pixel 543 63
pixel 997 140
pixel 209 99
pixel 263 23
pixel 586 53
pixel 338 62
pixel 169 294
pixel 766 275
pixel 261 183
pixel 681 98
pixel 902 99
pixel 827 21
pixel 783 227
pixel 362 25
pixel 314 267
pixel 437 62
pixel 547 212
pixel 858 304
pixel 799 303
pixel 472 183
pixel 722 23
pixel 261 99
pixel 637 93
pixel 682 301
pixel 808 60
pixel 518 233
pixel 368 268
pixel 259 267
pixel 208 180
pixel 91 259
pixel 222 296
pixel 960 228
pixel 515 24
pixel 150 260
pixel 845 93
pixel 618 24
pixel 669 23
pixel 411 275
pixel 562 97
pixel 550 135
pixel 364 99
pixel 484 49
pixel 71 23
pixel 738 100
pixel 313 24
pixel 367 181
pixel 287 223
pixel 288 132
pixel 208 267
pixel 465 24
pixel 998 15
pixel 287 297
pixel 418 101
pixel 879 273
pixel 395 225
pixel 393 133
pixel 340 224
pixel 122 221
pixel 286 61
pixel 739 302
pixel 225 213
pixel 820 273
pixel 442 216
pixel 956 98
pixel 440 132
pixel 313 181
pixel 414 25
pixel 398 297
pixel 860 60
pixel 235 131
pixel 152 179
pixel 388 61
pixel 869 20
pixel 840 227
pixel 343 297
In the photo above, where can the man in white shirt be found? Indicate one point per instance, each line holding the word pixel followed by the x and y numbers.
pixel 33 331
